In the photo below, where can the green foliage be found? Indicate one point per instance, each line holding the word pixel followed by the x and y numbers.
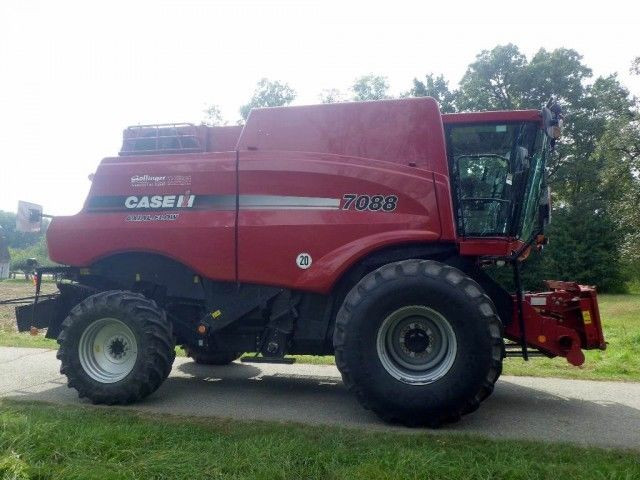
pixel 268 93
pixel 436 87
pixel 23 246
pixel 620 147
pixel 584 247
pixel 20 257
pixel 370 87
pixel 331 95
pixel 15 238
pixel 494 81
pixel 559 73
pixel 213 116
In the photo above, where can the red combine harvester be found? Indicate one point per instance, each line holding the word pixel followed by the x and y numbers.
pixel 354 229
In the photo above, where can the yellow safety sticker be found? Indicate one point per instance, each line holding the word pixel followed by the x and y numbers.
pixel 586 316
pixel 216 314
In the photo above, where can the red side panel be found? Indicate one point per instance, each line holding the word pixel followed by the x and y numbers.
pixel 493 246
pixel 271 234
pixel 223 139
pixel 406 131
pixel 201 236
pixel 298 167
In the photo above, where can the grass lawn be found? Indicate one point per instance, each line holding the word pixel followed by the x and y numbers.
pixel 47 442
pixel 620 315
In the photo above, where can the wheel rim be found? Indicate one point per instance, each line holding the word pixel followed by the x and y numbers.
pixel 108 350
pixel 416 345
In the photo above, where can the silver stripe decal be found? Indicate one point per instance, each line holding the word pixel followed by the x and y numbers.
pixel 255 202
pixel 225 202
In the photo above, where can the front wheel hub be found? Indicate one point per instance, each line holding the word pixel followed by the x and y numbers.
pixel 416 345
pixel 107 350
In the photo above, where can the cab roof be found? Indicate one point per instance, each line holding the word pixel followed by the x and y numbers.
pixel 493 116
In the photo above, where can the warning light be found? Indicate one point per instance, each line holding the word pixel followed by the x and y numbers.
pixel 202 329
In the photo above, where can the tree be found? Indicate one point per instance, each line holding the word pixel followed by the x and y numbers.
pixel 21 258
pixel 620 147
pixel 492 82
pixel 587 231
pixel 331 95
pixel 370 87
pixel 16 239
pixel 268 93
pixel 436 87
pixel 589 251
pixel 635 66
pixel 213 116
pixel 558 73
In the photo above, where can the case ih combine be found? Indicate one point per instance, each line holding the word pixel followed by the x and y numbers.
pixel 354 229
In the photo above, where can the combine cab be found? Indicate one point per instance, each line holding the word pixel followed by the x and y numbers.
pixel 355 229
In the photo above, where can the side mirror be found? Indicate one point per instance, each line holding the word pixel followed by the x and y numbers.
pixel 552 120
pixel 29 217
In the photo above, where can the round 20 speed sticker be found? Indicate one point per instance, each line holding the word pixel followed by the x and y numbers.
pixel 303 260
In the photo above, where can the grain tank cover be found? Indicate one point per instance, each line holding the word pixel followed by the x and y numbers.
pixel 407 131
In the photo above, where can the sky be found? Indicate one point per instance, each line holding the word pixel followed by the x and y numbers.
pixel 74 74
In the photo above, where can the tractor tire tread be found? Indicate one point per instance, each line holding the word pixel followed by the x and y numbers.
pixel 433 270
pixel 157 351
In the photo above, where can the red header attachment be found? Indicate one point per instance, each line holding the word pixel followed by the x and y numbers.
pixel 561 322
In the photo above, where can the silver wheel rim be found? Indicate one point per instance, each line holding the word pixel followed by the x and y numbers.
pixel 108 350
pixel 416 345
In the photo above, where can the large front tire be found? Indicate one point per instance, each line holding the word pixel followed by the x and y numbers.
pixel 419 343
pixel 116 347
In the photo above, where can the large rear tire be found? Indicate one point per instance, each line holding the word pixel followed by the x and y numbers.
pixel 419 343
pixel 116 347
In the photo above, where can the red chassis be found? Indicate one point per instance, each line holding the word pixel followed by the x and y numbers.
pixel 244 204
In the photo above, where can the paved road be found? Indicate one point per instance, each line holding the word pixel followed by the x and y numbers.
pixel 593 413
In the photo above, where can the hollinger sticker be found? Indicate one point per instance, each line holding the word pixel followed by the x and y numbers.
pixel 147 180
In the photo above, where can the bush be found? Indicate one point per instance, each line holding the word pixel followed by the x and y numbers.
pixel 19 257
pixel 584 247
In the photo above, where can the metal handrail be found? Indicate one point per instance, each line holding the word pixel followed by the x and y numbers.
pixel 152 133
